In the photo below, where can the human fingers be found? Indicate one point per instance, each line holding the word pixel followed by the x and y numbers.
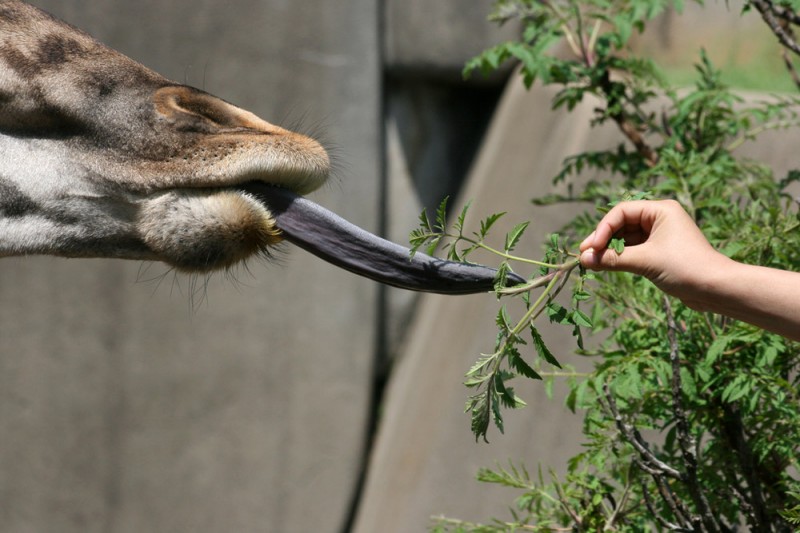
pixel 628 219
pixel 658 236
pixel 633 259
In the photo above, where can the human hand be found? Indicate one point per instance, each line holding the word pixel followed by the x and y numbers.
pixel 662 243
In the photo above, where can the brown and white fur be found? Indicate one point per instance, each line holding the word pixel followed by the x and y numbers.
pixel 101 157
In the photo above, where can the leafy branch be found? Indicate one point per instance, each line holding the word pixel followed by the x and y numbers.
pixel 691 421
pixel 490 375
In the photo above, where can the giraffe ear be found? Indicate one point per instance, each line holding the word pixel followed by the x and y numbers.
pixel 190 109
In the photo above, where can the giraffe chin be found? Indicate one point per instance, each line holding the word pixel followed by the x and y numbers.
pixel 202 230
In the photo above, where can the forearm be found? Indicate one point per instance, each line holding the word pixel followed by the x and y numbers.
pixel 765 297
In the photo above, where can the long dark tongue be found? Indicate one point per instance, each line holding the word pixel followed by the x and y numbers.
pixel 337 241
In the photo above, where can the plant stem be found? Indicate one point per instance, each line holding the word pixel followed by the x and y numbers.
pixel 565 374
pixel 510 257
pixel 536 309
pixel 567 267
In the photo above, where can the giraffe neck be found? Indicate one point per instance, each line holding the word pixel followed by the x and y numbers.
pixel 52 77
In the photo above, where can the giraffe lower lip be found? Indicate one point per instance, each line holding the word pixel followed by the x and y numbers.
pixel 333 239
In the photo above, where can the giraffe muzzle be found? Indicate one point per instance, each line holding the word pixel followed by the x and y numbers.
pixel 345 245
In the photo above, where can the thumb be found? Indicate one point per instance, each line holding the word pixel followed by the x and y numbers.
pixel 630 260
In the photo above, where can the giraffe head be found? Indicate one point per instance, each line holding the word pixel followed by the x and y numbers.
pixel 101 157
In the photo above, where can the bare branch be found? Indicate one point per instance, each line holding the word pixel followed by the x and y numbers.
pixel 649 463
pixel 768 13
pixel 562 500
pixel 636 440
pixel 786 14
pixel 734 432
pixel 737 491
pixel 686 441
pixel 648 501
pixel 627 126
pixel 787 60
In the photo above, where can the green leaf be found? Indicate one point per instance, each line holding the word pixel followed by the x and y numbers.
pixel 736 389
pixel 497 415
pixel 580 296
pixel 513 237
pixel 425 222
pixel 579 318
pixel 459 224
pixel 488 222
pixel 433 243
pixel 558 314
pixel 476 381
pixel 501 278
pixel 483 361
pixel 480 408
pixel 503 320
pixel 507 395
pixel 541 348
pixel 618 245
pixel 441 215
pixel 719 345
pixel 517 363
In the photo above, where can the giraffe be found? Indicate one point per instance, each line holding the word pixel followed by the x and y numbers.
pixel 102 157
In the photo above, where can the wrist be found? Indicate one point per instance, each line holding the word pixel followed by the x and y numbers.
pixel 713 280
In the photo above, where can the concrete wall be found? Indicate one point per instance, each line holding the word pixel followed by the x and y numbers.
pixel 425 458
pixel 131 400
pixel 134 400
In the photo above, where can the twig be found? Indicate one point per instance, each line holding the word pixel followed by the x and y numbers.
pixel 619 508
pixel 788 15
pixel 648 501
pixel 626 125
pixel 686 441
pixel 650 464
pixel 516 527
pixel 633 436
pixel 633 134
pixel 565 505
pixel 736 489
pixel 541 281
pixel 587 59
pixel 736 437
pixel 787 19
pixel 787 60
pixel 768 13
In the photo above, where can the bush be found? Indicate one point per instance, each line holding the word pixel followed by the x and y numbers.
pixel 719 400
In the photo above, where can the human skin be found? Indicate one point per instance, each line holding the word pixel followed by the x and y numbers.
pixel 664 244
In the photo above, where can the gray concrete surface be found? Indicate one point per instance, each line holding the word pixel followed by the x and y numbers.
pixel 435 38
pixel 169 405
pixel 425 458
pixel 132 401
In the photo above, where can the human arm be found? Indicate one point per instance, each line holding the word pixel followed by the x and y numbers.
pixel 663 244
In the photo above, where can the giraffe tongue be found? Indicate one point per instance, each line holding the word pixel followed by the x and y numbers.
pixel 337 241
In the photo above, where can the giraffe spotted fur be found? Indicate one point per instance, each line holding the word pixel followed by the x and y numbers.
pixel 101 157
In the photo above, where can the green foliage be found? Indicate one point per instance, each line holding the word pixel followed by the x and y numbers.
pixel 792 515
pixel 717 398
pixel 489 377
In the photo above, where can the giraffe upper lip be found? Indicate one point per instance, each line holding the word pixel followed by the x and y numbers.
pixel 330 237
